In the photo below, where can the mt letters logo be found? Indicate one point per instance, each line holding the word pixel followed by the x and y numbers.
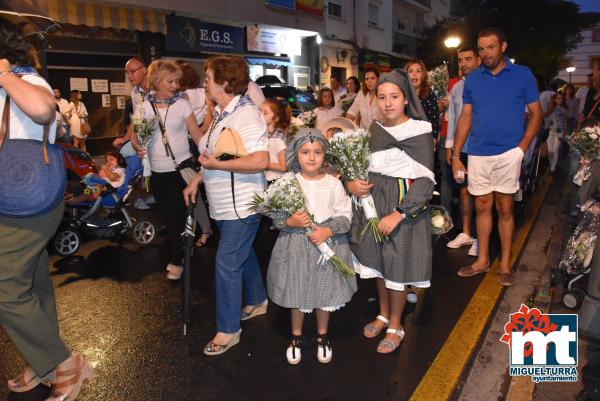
pixel 542 346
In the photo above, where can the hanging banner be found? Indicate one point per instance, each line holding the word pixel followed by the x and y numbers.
pixel 273 40
pixel 314 7
pixel 285 4
pixel 191 35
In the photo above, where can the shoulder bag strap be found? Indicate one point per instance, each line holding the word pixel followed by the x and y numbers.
pixel 163 132
pixel 4 125
pixel 5 129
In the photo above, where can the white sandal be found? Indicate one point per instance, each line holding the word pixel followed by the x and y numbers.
pixel 372 330
pixel 388 345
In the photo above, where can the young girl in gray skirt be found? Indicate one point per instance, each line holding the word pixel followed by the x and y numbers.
pixel 296 279
pixel 401 182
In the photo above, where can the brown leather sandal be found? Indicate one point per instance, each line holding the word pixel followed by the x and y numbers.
pixel 71 379
pixel 469 270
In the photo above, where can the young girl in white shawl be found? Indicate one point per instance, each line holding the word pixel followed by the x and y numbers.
pixel 401 181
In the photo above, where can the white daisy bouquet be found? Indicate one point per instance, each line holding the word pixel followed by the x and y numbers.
pixel 346 103
pixel 587 142
pixel 348 152
pixel 441 221
pixel 143 128
pixel 282 199
pixel 439 80
pixel 580 247
pixel 308 118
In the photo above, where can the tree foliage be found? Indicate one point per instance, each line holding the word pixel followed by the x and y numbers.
pixel 539 32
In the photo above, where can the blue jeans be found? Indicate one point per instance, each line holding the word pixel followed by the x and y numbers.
pixel 236 265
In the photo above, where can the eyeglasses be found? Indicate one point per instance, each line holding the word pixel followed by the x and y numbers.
pixel 133 71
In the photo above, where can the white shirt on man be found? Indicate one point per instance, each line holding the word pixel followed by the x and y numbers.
pixel 21 125
pixel 174 119
pixel 581 94
pixel 248 122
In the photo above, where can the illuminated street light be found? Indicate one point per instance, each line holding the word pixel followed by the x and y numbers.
pixel 570 70
pixel 452 42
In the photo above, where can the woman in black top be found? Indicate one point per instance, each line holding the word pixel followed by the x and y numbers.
pixel 418 77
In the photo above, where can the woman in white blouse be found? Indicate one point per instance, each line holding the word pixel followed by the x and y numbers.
pixel 364 110
pixel 166 151
pixel 79 115
pixel 326 109
pixel 230 186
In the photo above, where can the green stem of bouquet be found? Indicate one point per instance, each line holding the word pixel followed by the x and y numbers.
pixel 342 267
pixel 372 225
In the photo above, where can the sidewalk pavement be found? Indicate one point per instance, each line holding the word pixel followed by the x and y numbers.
pixel 487 378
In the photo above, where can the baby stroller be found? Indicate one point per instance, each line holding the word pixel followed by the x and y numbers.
pixel 105 218
pixel 575 264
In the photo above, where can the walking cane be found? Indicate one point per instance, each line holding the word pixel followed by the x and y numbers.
pixel 188 236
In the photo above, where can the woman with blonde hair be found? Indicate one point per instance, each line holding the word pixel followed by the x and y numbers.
pixel 167 150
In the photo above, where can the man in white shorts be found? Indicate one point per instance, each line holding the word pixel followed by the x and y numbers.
pixel 494 98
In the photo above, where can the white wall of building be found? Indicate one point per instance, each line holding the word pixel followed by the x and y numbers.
pixel 582 55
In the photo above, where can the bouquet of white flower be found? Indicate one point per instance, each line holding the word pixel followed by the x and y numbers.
pixel 441 221
pixel 282 199
pixel 587 142
pixel 439 80
pixel 580 247
pixel 308 118
pixel 348 152
pixel 143 128
pixel 346 103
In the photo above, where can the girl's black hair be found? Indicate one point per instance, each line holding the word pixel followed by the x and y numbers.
pixel 117 155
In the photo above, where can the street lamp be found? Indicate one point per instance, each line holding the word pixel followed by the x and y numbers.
pixel 570 70
pixel 452 42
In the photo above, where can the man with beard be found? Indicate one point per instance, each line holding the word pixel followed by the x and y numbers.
pixel 468 60
pixel 494 98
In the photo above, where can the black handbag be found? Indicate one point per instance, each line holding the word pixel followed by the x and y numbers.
pixel 33 176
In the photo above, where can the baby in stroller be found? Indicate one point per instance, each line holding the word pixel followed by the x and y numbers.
pixel 104 214
pixel 111 174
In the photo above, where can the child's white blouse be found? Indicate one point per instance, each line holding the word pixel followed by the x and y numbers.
pixel 326 198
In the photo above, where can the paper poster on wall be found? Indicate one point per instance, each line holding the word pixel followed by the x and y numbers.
pixel 80 84
pixel 121 102
pixel 273 40
pixel 100 85
pixel 105 100
pixel 118 89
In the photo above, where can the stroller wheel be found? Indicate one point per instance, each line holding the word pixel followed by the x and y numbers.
pixel 67 242
pixel 573 298
pixel 143 232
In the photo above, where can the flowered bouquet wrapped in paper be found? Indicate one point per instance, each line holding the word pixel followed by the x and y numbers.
pixel 587 142
pixel 441 221
pixel 346 103
pixel 439 80
pixel 143 128
pixel 282 199
pixel 348 152
pixel 580 248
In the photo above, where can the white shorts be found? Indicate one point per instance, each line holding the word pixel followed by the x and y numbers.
pixel 498 173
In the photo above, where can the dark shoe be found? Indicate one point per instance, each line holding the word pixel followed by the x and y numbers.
pixel 506 279
pixel 469 270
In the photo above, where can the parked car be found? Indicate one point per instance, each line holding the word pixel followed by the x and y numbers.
pixel 299 101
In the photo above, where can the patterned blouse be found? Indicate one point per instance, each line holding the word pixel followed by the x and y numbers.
pixel 432 112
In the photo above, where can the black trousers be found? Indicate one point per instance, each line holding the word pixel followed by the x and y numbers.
pixel 167 188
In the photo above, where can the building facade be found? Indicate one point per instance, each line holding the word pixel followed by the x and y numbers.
pixel 587 51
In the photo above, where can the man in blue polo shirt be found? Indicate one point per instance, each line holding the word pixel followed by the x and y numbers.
pixel 495 96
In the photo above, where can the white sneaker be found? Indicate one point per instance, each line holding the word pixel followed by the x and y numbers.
pixel 293 353
pixel 474 249
pixel 324 350
pixel 411 297
pixel 461 239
